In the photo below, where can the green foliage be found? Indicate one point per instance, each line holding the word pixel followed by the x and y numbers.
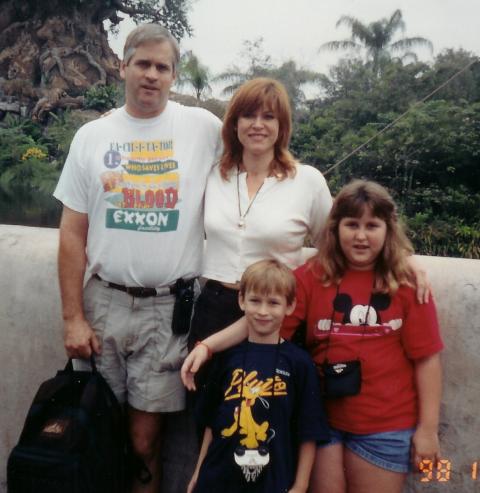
pixel 444 237
pixel 38 174
pixel 12 147
pixel 101 98
pixel 31 157
pixel 428 159
pixel 464 88
pixel 16 136
pixel 24 157
pixel 60 132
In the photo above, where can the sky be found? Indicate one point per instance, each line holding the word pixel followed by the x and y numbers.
pixel 295 29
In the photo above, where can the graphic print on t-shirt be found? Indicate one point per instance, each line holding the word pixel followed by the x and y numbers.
pixel 142 184
pixel 251 391
pixel 359 319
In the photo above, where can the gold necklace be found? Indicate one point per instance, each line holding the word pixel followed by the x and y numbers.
pixel 241 217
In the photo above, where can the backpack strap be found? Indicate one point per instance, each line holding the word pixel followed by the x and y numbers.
pixel 69 365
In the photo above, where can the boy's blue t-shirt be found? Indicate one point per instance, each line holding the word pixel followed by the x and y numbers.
pixel 247 408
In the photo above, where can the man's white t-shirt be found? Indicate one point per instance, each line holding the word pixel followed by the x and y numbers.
pixel 142 184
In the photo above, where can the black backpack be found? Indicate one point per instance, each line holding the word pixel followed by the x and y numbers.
pixel 73 439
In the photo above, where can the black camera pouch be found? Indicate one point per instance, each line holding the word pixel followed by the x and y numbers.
pixel 341 379
pixel 182 310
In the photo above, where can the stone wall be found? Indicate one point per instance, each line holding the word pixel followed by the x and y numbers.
pixel 31 351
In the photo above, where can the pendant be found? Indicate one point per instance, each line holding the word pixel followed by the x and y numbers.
pixel 241 223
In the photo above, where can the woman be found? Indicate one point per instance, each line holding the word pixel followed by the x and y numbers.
pixel 259 203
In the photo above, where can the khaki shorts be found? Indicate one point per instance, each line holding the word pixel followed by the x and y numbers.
pixel 141 358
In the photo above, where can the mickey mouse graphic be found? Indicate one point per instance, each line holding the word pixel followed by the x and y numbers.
pixel 360 314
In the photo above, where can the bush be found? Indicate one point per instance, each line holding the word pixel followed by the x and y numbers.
pixel 101 98
pixel 448 237
pixel 60 132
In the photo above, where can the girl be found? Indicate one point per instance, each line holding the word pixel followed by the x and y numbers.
pixel 363 321
pixel 357 298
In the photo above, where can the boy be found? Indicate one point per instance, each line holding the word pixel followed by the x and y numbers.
pixel 262 408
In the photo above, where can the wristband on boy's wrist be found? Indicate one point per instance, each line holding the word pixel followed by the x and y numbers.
pixel 209 351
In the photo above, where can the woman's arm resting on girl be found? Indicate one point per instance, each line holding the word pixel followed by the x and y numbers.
pixel 224 339
pixel 428 373
pixel 422 283
pixel 306 456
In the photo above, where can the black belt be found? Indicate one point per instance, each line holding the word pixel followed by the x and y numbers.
pixel 140 292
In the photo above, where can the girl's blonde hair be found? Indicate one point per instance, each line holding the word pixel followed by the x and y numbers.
pixel 391 266
pixel 251 96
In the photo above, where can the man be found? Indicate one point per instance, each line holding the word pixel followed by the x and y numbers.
pixel 132 227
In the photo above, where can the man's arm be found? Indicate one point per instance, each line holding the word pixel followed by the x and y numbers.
pixel 207 440
pixel 425 442
pixel 79 338
pixel 306 456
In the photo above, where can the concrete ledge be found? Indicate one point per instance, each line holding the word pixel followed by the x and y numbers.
pixel 31 351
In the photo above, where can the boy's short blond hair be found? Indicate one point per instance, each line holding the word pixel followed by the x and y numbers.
pixel 269 276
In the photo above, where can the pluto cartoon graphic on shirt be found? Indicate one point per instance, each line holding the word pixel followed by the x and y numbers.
pixel 252 392
pixel 142 184
pixel 252 454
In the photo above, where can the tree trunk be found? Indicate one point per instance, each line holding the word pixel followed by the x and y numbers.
pixel 51 52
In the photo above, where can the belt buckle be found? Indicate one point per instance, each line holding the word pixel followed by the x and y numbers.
pixel 140 292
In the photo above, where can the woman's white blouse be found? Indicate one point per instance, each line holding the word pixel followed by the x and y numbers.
pixel 281 216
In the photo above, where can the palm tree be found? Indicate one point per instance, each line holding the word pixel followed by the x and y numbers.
pixel 257 62
pixel 293 77
pixel 377 38
pixel 193 73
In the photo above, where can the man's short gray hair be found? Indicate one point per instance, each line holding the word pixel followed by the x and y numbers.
pixel 147 33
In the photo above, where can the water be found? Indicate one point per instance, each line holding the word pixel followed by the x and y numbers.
pixel 29 208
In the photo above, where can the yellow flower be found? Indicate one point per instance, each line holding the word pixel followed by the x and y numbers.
pixel 33 152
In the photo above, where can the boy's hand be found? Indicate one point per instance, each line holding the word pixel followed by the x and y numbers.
pixel 425 446
pixel 197 357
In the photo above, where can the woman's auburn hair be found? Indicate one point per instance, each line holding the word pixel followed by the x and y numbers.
pixel 391 267
pixel 256 94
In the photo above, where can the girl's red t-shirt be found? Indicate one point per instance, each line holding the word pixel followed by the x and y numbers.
pixel 399 331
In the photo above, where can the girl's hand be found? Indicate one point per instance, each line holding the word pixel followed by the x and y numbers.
pixel 197 357
pixel 425 446
pixel 424 288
